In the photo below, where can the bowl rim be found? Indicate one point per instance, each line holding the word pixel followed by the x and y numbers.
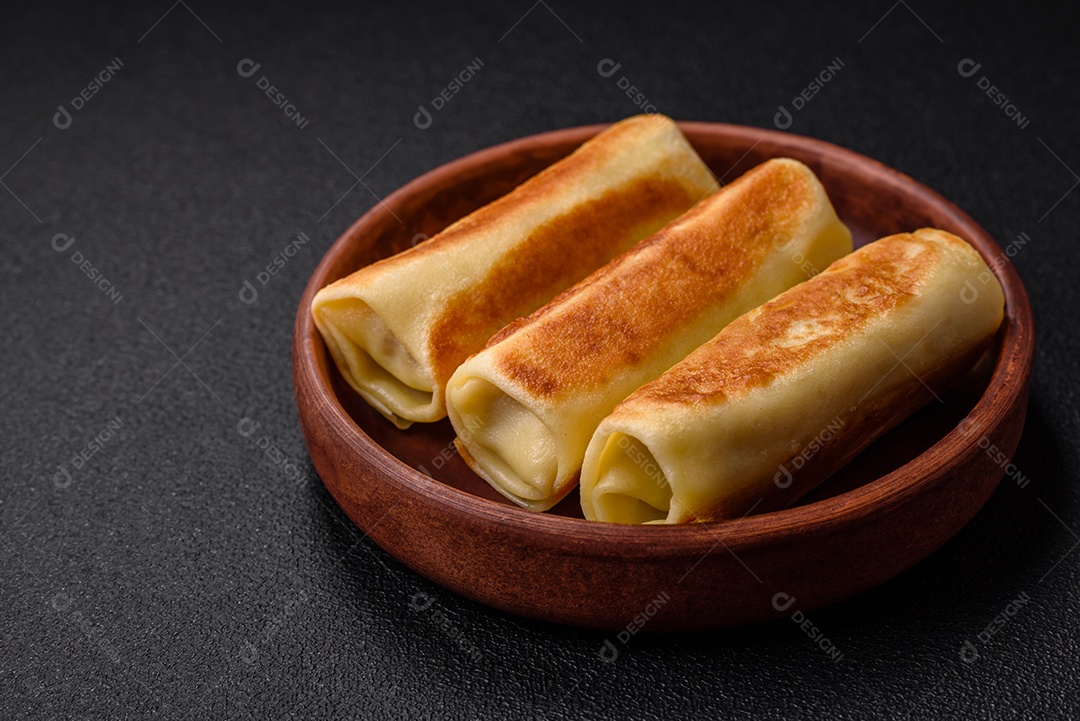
pixel 1008 382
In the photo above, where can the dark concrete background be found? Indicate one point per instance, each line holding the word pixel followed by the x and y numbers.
pixel 180 569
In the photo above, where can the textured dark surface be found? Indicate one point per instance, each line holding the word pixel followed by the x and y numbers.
pixel 189 570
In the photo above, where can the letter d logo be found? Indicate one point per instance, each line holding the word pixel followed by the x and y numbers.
pixel 246 427
pixel 247 67
pixel 422 119
pixel 969 293
pixel 61 242
pixel 783 478
pixel 248 653
pixel 783 601
pixel 607 67
pixel 968 67
pixel 782 119
pixel 608 653
pixel 62 477
pixel 420 601
pixel 248 294
pixel 62 118
pixel 968 652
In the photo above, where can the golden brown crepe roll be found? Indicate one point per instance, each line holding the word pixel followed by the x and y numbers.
pixel 399 328
pixel 526 406
pixel 791 391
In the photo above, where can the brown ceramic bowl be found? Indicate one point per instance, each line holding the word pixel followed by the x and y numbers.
pixel 893 506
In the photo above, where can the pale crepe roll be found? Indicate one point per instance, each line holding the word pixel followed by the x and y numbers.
pixel 526 406
pixel 791 391
pixel 398 329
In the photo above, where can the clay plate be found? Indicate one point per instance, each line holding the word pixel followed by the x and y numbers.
pixel 898 502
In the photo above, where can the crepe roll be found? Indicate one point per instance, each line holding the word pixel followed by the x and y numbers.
pixel 791 391
pixel 397 329
pixel 525 407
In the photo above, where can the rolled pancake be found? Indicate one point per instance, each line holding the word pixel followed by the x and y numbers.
pixel 397 329
pixel 793 390
pixel 526 406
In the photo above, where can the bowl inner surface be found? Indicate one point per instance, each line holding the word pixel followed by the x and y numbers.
pixel 863 192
